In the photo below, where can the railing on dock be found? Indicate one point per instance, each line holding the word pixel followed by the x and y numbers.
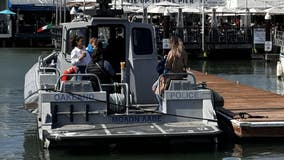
pixel 5 27
pixel 279 39
pixel 220 37
pixel 230 36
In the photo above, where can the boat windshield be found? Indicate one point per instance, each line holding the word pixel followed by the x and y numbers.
pixel 111 38
pixel 72 34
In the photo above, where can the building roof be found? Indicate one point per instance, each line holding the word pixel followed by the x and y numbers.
pixel 36 2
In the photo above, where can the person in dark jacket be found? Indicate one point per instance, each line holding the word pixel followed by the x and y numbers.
pixel 102 68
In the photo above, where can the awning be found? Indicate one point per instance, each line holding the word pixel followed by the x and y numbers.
pixel 7 12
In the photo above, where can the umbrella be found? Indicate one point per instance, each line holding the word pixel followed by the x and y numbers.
pixel 252 10
pixel 88 3
pixel 190 10
pixel 7 11
pixel 157 10
pixel 131 9
pixel 275 10
pixel 166 4
pixel 256 10
pixel 224 10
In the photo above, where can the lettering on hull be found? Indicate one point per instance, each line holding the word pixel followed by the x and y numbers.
pixel 69 97
pixel 187 95
pixel 136 119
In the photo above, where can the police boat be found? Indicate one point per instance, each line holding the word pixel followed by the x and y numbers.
pixel 72 111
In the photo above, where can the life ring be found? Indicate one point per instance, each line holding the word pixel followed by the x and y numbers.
pixel 70 70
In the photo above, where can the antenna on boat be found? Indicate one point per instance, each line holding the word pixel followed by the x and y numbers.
pixel 84 6
pixel 203 27
pixel 64 10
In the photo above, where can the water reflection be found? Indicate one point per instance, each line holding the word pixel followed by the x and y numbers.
pixel 268 149
pixel 14 119
pixel 257 73
pixel 137 150
pixel 260 149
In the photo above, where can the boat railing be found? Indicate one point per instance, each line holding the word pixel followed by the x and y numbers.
pixel 58 83
pixel 47 69
pixel 186 76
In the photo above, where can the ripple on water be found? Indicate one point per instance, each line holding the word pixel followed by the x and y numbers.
pixel 10 155
pixel 14 120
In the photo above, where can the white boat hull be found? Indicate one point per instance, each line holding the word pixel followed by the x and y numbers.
pixel 31 88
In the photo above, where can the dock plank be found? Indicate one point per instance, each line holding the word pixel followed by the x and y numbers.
pixel 240 98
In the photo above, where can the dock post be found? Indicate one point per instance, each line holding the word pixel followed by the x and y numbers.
pixel 166 32
pixel 204 54
pixel 268 42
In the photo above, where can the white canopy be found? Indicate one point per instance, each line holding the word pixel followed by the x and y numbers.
pixel 188 9
pixel 223 9
pixel 252 10
pixel 131 9
pixel 275 10
pixel 157 10
pixel 166 4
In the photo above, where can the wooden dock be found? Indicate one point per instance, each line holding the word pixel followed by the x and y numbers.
pixel 251 112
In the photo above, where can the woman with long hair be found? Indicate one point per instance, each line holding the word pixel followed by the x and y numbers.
pixel 176 61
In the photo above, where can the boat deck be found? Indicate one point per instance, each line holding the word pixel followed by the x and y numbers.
pixel 134 130
pixel 252 112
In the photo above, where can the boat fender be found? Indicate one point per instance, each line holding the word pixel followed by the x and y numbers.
pixel 279 69
pixel 218 100
pixel 70 70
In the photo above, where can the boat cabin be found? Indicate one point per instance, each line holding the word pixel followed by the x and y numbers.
pixel 122 41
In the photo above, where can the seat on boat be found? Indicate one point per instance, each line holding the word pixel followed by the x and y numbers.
pixel 181 85
pixel 76 86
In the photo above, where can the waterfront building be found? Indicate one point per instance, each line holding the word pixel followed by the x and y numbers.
pixel 233 23
pixel 5 20
pixel 29 16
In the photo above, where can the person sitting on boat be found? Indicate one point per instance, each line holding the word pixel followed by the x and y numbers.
pixel 79 56
pixel 175 62
pixel 161 65
pixel 157 86
pixel 102 68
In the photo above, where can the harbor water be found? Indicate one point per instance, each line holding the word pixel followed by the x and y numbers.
pixel 18 133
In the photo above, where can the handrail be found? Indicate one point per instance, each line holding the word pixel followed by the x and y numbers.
pixel 176 74
pixel 50 68
pixel 42 59
pixel 279 38
pixel 181 74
